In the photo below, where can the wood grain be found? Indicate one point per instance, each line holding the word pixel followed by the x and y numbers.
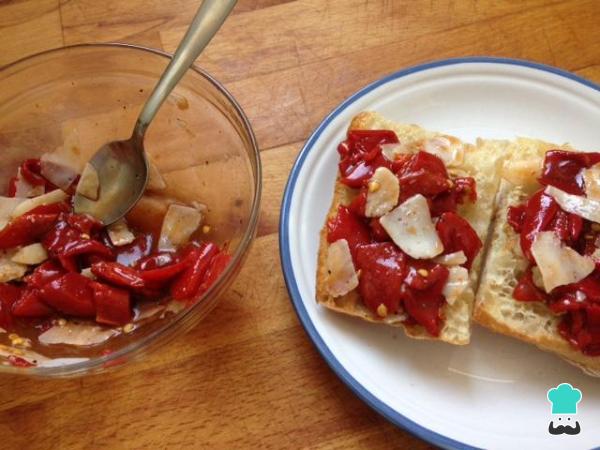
pixel 28 27
pixel 248 376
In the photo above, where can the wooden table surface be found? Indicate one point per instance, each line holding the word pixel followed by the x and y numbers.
pixel 248 376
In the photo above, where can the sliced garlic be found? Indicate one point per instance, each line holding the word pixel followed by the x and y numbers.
pixel 51 197
pixel 392 319
pixel 411 228
pixel 586 208
pixel 58 169
pixel 452 259
pixel 89 183
pixel 536 277
pixel 7 206
pixel 391 152
pixel 31 254
pixel 87 272
pixel 458 282
pixel 179 224
pixel 77 334
pixel 558 263
pixel 9 269
pixel 120 234
pixel 384 197
pixel 448 148
pixel 591 178
pixel 341 275
pixel 155 180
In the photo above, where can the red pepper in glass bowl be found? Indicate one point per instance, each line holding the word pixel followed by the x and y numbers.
pixel 77 296
pixel 72 272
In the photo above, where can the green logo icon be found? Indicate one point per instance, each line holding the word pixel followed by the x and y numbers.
pixel 564 399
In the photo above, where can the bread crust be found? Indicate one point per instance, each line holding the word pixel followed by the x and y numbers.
pixel 481 162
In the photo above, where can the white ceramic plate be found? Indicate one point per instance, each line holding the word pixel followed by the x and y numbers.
pixel 491 393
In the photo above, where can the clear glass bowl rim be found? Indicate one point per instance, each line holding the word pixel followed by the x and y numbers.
pixel 103 362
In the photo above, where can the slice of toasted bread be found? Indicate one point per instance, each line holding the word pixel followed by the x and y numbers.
pixel 482 162
pixel 495 306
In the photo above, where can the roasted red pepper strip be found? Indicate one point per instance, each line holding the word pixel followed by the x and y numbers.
pixel 542 213
pixel 17 361
pixel 457 234
pixel 70 237
pixel 425 174
pixel 347 225
pixel 12 187
pixel 70 294
pixel 434 274
pixel 31 170
pixel 9 294
pixel 130 255
pixel 359 204
pixel 187 284
pixel 52 208
pixel 157 277
pixel 69 263
pixel 465 188
pixel 422 294
pixel 527 291
pixel 83 223
pixel 26 229
pixel 563 169
pixel 360 155
pixel 217 265
pixel 383 269
pixel 44 274
pixel 60 235
pixel 86 246
pixel 31 305
pixel 113 305
pixel 377 231
pixel 516 216
pixel 155 261
pixel 425 307
pixel 118 274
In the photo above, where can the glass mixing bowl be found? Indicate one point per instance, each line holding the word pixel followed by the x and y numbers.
pixel 201 142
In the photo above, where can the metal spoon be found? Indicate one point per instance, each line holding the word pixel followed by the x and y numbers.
pixel 121 165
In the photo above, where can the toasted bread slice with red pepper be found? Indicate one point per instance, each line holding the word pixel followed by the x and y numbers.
pixel 482 162
pixel 495 308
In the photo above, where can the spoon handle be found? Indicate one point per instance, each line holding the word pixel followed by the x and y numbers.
pixel 208 20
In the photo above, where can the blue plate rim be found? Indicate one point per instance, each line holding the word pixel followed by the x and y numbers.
pixel 285 255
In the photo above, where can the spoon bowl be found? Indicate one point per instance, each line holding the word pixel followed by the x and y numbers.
pixel 122 170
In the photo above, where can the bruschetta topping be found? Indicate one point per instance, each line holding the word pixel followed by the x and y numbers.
pixel 402 228
pixel 559 228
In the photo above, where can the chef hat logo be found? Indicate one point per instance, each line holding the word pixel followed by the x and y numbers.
pixel 564 399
